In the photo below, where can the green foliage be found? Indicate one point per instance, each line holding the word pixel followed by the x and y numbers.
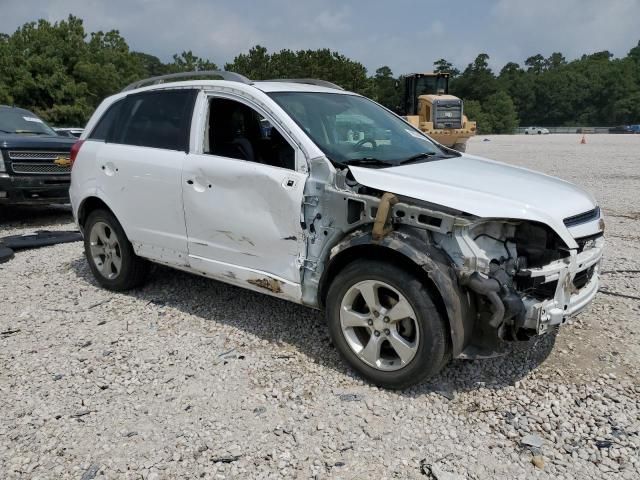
pixel 443 66
pixel 501 112
pixel 385 89
pixel 497 114
pixel 188 62
pixel 477 82
pixel 473 111
pixel 325 64
pixel 62 72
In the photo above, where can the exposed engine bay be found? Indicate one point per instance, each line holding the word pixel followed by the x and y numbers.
pixel 523 273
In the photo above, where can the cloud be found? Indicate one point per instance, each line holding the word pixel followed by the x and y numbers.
pixel 407 35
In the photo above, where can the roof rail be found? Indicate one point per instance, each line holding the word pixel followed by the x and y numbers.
pixel 231 76
pixel 308 81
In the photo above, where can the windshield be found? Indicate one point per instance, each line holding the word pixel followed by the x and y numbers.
pixel 351 129
pixel 16 120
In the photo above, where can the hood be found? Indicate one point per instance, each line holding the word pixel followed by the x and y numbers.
pixel 484 188
pixel 16 140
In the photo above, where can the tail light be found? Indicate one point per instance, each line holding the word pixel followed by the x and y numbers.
pixel 74 151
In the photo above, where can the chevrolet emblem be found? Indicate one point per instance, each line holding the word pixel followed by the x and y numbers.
pixel 62 162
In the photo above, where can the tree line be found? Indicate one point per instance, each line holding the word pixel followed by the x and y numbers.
pixel 62 72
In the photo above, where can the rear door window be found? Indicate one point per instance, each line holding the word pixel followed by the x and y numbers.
pixel 156 119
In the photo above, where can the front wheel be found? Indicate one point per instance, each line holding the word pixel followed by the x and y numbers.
pixel 385 325
pixel 110 254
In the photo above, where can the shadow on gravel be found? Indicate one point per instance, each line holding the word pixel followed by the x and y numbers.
pixel 34 216
pixel 303 329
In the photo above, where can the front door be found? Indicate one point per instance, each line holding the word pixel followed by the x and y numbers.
pixel 243 201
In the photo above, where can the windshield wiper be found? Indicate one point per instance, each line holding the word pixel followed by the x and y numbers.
pixel 417 157
pixel 368 161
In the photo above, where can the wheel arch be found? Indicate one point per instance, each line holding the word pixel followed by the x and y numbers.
pixel 89 205
pixel 423 260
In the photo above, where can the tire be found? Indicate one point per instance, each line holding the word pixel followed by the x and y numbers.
pixel 526 133
pixel 539 132
pixel 460 147
pixel 118 268
pixel 424 329
pixel 6 253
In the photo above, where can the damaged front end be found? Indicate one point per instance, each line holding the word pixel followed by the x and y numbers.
pixel 496 279
pixel 526 279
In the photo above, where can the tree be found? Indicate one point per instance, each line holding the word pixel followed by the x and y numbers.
pixel 443 66
pixel 473 111
pixel 477 81
pixel 152 65
pixel 322 64
pixel 385 88
pixel 501 112
pixel 536 64
pixel 555 60
pixel 188 62
pixel 54 70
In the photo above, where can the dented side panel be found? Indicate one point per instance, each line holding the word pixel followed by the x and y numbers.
pixel 244 214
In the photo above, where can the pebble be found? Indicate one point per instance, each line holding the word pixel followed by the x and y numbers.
pixel 290 407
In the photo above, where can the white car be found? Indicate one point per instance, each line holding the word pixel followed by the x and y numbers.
pixel 73 132
pixel 416 252
pixel 536 131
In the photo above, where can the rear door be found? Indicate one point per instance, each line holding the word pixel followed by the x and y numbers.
pixel 243 193
pixel 141 166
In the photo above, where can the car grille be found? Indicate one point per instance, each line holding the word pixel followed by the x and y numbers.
pixel 586 243
pixel 582 218
pixel 447 114
pixel 38 163
pixel 544 291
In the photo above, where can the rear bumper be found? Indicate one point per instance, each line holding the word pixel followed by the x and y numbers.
pixel 30 190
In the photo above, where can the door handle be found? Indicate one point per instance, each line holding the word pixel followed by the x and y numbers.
pixel 289 183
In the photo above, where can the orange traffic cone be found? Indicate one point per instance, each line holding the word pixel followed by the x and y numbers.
pixel 583 140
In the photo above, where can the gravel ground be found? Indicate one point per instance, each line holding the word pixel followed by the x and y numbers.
pixel 191 378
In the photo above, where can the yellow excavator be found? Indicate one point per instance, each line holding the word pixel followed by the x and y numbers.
pixel 428 106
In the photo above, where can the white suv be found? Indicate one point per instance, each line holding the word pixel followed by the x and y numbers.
pixel 304 191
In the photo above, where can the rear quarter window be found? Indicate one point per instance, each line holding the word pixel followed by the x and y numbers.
pixel 156 119
pixel 107 122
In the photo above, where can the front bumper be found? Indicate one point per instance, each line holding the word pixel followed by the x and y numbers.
pixel 31 190
pixel 576 284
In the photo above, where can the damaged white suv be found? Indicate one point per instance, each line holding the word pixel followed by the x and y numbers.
pixel 304 191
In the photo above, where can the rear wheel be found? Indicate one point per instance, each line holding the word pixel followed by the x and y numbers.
pixel 110 254
pixel 385 325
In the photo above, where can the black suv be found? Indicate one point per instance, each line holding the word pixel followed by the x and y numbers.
pixel 34 160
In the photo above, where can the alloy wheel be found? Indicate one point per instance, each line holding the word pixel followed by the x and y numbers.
pixel 379 325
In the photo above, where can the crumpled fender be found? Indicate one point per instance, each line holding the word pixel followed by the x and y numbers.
pixel 435 264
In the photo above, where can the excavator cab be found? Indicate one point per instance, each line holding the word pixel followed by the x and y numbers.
pixel 428 106
pixel 418 84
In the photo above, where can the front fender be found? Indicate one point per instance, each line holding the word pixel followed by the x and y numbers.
pixel 414 246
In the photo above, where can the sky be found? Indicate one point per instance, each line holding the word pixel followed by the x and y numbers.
pixel 406 35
